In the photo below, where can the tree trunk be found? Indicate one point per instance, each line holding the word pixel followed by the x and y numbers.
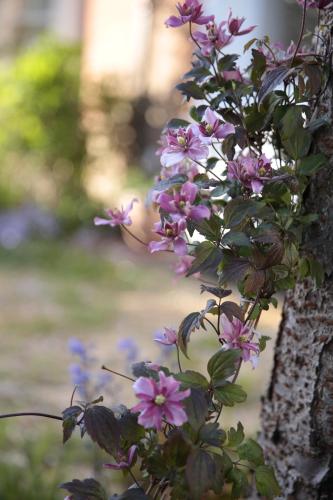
pixel 297 412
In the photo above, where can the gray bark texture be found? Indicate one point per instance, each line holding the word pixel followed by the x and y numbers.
pixel 297 412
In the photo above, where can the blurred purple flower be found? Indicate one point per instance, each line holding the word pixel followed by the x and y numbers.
pixel 80 377
pixel 130 348
pixel 77 347
pixel 116 217
pixel 234 25
pixel 167 337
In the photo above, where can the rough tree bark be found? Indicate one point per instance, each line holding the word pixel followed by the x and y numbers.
pixel 297 412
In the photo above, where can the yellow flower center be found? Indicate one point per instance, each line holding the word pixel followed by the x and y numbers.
pixel 169 232
pixel 242 338
pixel 159 400
pixel 181 141
pixel 182 204
pixel 262 171
pixel 209 128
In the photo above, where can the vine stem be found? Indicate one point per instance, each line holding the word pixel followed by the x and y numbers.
pixel 301 33
pixel 178 359
pixel 31 414
pixel 117 373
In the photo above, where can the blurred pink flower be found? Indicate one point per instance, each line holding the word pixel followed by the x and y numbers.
pixel 180 144
pixel 159 400
pixel 251 172
pixel 211 126
pixel 167 337
pixel 180 203
pixel 189 11
pixel 185 167
pixel 183 265
pixel 237 335
pixel 234 25
pixel 123 462
pixel 116 217
pixel 215 37
pixel 172 236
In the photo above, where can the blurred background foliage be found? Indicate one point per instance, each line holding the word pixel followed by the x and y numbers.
pixel 42 142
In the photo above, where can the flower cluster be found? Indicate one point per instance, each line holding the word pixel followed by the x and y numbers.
pixel 250 172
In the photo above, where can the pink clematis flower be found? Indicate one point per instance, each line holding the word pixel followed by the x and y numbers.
pixel 167 337
pixel 212 127
pixel 182 143
pixel 315 4
pixel 183 265
pixel 189 12
pixel 276 54
pixel 237 335
pixel 123 462
pixel 234 25
pixel 186 167
pixel 159 400
pixel 116 217
pixel 172 236
pixel 251 172
pixel 232 75
pixel 180 203
pixel 215 38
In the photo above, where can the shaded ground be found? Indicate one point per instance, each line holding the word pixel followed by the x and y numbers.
pixel 49 293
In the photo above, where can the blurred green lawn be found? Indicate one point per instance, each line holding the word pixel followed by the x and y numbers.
pixel 50 292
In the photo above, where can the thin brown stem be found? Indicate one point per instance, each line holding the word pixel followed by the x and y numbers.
pixel 31 414
pixel 117 373
pixel 300 38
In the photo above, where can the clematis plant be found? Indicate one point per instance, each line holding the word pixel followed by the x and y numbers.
pixel 233 217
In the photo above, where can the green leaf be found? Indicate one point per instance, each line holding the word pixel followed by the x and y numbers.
pixel 177 123
pixel 191 89
pixel 210 228
pixel 311 164
pixel 240 485
pixel 187 326
pixel 193 379
pixel 296 139
pixel 207 258
pixel 103 428
pixel 70 416
pixel 272 79
pixel 239 209
pixel 131 494
pixel 212 434
pixel 266 482
pixel 131 432
pixel 219 292
pixel 231 310
pixel 229 394
pixel 252 452
pixel 235 437
pixel 200 473
pixel 223 364
pixel 196 408
pixel 236 238
pixel 176 449
pixel 87 489
pixel 171 182
pixel 263 341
